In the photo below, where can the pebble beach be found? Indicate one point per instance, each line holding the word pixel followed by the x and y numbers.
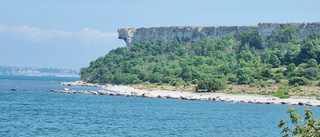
pixel 122 90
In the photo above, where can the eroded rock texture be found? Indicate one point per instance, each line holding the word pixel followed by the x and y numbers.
pixel 133 35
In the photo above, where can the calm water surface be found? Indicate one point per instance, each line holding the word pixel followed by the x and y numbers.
pixel 33 111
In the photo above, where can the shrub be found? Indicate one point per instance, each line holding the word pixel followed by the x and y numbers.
pixel 137 81
pixel 232 78
pixel 310 127
pixel 282 94
pixel 174 83
pixel 277 80
pixel 303 65
pixel 210 85
pixel 167 79
pixel 279 71
pixel 311 72
pixel 278 75
pixel 195 81
pixel 299 80
pixel 252 85
pixel 263 85
pixel 243 79
pixel 178 82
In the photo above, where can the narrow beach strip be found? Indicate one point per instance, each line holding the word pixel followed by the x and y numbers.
pixel 120 90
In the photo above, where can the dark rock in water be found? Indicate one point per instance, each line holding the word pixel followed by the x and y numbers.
pixel 300 103
pixel 13 89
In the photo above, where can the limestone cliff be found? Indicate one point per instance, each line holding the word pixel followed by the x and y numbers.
pixel 133 35
pixel 305 29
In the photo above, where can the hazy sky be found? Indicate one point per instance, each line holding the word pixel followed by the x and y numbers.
pixel 71 33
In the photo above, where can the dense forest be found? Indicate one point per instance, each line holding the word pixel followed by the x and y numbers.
pixel 238 58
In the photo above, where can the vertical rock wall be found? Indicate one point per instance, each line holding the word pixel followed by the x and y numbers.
pixel 133 35
pixel 305 29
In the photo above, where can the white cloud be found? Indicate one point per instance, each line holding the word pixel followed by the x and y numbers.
pixel 2 28
pixel 87 35
pixel 92 36
pixel 94 33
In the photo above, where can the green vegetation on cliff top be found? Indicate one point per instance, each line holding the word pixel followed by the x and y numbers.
pixel 237 58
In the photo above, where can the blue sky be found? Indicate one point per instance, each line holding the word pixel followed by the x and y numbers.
pixel 70 34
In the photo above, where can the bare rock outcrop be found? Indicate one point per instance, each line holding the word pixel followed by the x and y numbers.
pixel 133 35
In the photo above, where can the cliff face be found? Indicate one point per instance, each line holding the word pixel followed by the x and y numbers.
pixel 305 29
pixel 133 35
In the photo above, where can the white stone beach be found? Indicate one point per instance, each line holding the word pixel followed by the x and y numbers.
pixel 122 90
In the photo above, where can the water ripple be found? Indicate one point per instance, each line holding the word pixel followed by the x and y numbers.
pixel 36 113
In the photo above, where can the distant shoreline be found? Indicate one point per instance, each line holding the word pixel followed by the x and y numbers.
pixel 38 71
pixel 42 76
pixel 121 90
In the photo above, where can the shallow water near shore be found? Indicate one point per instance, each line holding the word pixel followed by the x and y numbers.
pixel 33 111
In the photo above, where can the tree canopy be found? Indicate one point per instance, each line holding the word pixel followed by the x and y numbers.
pixel 239 58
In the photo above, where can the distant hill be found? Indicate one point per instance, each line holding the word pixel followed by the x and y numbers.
pixel 38 71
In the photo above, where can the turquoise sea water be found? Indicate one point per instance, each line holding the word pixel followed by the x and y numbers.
pixel 33 111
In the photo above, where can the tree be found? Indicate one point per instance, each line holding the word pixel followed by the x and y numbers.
pixel 291 56
pixel 291 67
pixel 265 56
pixel 209 85
pixel 167 79
pixel 224 69
pixel 266 72
pixel 252 39
pixel 310 127
pixel 274 61
pixel 243 75
pixel 155 77
pixel 312 63
pixel 238 57
pixel 186 73
pixel 309 73
pixel 232 78
pixel 243 79
pixel 284 35
pixel 246 55
pixel 309 50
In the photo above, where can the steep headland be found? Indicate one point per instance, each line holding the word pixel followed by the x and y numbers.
pixel 148 34
pixel 275 59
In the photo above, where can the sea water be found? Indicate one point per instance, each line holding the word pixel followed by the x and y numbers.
pixel 33 111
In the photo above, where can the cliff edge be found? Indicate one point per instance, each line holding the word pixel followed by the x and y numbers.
pixel 133 35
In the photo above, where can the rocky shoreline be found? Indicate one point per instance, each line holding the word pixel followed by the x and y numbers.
pixel 118 90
